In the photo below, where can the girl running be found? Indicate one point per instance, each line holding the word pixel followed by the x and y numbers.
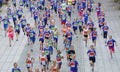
pixel 10 34
pixel 92 56
pixel 85 33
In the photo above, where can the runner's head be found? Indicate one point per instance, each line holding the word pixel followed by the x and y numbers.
pixel 110 37
pixel 54 62
pixel 58 51
pixel 28 54
pixel 42 52
pixel 46 45
pixel 92 46
pixel 15 65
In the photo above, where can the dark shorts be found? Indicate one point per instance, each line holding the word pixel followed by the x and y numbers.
pixel 32 40
pixel 105 34
pixel 48 59
pixel 93 39
pixel 92 59
pixel 47 38
pixel 80 28
pixel 74 28
pixel 91 29
pixel 85 36
pixel 42 40
pixel 17 31
pixel 55 39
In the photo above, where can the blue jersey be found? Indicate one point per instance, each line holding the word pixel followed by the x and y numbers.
pixel 17 27
pixel 47 33
pixel 105 28
pixel 16 70
pixel 23 21
pixel 27 29
pixel 90 24
pixel 73 65
pixel 94 34
pixel 47 52
pixel 80 22
pixel 5 21
pixel 75 24
pixel 69 34
pixel 14 16
pixel 32 34
pixel 19 12
pixel 91 53
pixel 110 43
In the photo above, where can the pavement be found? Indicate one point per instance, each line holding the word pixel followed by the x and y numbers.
pixel 17 53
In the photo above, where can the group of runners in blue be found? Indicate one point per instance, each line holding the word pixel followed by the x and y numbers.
pixel 46 31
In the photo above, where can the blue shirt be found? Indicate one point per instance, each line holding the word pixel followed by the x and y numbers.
pixel 47 52
pixel 32 34
pixel 105 28
pixel 110 43
pixel 5 21
pixel 23 21
pixel 17 26
pixel 16 70
pixel 19 12
pixel 73 65
pixel 91 53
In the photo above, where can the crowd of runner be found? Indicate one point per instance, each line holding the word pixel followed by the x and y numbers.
pixel 48 33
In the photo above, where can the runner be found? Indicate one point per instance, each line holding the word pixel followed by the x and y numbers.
pixel 75 26
pixel 110 44
pixel 29 62
pixel 10 34
pixel 27 32
pixel 94 36
pixel 43 61
pixel 47 34
pixel 19 13
pixel 86 16
pixel 89 7
pixel 16 68
pixel 37 70
pixel 14 3
pixel 59 58
pixel 54 67
pixel 6 23
pixel 32 36
pixel 90 25
pixel 23 22
pixel 41 37
pixel 55 38
pixel 73 64
pixel 9 12
pixel 36 16
pixel 69 35
pixel 47 51
pixel 14 16
pixel 17 29
pixel 105 29
pixel 80 24
pixel 86 33
pixel 92 56
pixel 98 9
pixel 32 7
pixel 39 5
pixel 69 10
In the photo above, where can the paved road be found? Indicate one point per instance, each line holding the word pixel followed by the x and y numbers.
pixel 17 53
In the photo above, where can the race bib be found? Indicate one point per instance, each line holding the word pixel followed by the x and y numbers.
pixel 47 52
